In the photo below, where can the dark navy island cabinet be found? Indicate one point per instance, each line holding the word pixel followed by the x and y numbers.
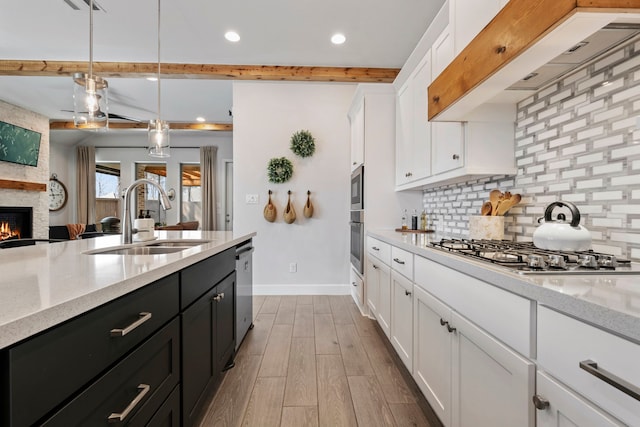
pixel 152 357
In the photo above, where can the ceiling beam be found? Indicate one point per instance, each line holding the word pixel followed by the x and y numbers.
pixel 200 71
pixel 215 127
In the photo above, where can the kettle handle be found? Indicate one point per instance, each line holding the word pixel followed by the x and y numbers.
pixel 575 213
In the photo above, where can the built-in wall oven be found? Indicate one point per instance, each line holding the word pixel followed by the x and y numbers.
pixel 357 240
pixel 357 189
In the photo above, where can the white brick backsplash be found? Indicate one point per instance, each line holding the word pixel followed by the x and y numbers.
pixel 590 133
pixel 560 164
pixel 560 119
pixel 623 124
pixel 594 81
pixel 632 92
pixel 589 183
pixel 607 222
pixel 633 150
pixel 547 156
pixel 625 209
pixel 574 173
pixel 547 113
pixel 615 57
pixel 551 133
pixel 576 141
pixel 608 142
pixel 562 186
pixel 608 87
pixel 559 97
pixel 575 197
pixel 559 141
pixel 608 115
pixel 593 106
pixel 633 62
pixel 576 100
pixel 590 158
pixel 607 195
pixel 578 124
pixel 574 149
pixel 625 180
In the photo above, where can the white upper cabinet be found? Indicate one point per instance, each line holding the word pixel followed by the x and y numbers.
pixel 469 17
pixel 413 130
pixel 356 117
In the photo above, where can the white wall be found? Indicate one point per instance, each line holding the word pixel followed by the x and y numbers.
pixel 63 159
pixel 265 115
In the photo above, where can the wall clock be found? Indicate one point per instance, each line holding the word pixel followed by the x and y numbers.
pixel 57 194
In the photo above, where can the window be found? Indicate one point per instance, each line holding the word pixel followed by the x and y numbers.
pixel 108 200
pixel 191 206
pixel 148 196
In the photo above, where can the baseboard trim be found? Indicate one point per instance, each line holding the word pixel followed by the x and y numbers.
pixel 328 289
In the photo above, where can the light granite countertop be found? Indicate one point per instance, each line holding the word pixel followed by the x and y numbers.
pixel 46 284
pixel 611 302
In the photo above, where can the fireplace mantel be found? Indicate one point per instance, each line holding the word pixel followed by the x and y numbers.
pixel 22 185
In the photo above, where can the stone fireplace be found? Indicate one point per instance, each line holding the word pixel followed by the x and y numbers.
pixel 37 201
pixel 16 222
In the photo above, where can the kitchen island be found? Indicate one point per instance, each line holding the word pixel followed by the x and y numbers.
pixel 137 337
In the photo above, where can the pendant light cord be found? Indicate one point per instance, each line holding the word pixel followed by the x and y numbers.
pixel 91 39
pixel 159 111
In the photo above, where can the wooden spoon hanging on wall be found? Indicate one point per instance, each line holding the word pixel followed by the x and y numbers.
pixel 289 211
pixel 308 207
pixel 270 212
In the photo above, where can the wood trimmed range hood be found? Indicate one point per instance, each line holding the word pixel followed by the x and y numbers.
pixel 523 37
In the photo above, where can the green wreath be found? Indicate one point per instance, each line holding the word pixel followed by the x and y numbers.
pixel 303 144
pixel 279 170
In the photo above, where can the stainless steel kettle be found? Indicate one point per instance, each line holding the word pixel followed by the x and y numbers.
pixel 562 235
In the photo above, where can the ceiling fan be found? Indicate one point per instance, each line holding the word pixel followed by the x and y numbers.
pixel 113 116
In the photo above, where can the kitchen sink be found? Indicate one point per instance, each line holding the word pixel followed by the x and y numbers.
pixel 156 247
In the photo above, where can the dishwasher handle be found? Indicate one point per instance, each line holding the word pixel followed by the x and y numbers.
pixel 245 250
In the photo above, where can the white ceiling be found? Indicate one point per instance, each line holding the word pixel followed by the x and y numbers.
pixel 380 33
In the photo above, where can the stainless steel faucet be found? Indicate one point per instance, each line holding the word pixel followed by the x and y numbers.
pixel 127 230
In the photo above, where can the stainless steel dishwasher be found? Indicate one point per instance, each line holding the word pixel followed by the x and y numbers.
pixel 244 290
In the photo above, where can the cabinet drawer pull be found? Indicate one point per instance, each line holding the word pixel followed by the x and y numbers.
pixel 624 386
pixel 144 316
pixel 354 284
pixel 398 261
pixel 443 322
pixel 450 328
pixel 375 267
pixel 455 157
pixel 218 297
pixel 375 248
pixel 119 417
pixel 407 293
pixel 540 402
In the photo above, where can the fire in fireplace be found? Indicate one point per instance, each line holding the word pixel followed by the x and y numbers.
pixel 16 222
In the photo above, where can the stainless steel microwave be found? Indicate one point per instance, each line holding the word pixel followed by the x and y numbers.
pixel 357 189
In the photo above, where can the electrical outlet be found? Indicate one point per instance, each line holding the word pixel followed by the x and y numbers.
pixel 251 199
pixel 293 267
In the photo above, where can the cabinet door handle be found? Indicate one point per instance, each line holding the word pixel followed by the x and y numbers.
pixel 375 267
pixel 119 417
pixel 144 316
pixel 407 293
pixel 450 328
pixel 624 386
pixel 375 248
pixel 443 322
pixel 540 402
pixel 354 284
pixel 218 297
pixel 399 261
pixel 455 157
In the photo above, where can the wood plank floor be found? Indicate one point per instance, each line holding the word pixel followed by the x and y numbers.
pixel 314 361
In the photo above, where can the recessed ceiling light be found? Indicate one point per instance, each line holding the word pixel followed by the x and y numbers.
pixel 338 38
pixel 200 119
pixel 232 36
pixel 152 79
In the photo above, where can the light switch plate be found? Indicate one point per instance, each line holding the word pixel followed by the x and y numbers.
pixel 251 199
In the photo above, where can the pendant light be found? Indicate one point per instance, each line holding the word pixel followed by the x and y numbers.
pixel 158 133
pixel 90 103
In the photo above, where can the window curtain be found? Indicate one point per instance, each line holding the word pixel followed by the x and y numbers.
pixel 208 156
pixel 86 185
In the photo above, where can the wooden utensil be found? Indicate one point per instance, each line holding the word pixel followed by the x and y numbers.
pixel 308 207
pixel 486 208
pixel 505 205
pixel 494 198
pixel 289 211
pixel 270 212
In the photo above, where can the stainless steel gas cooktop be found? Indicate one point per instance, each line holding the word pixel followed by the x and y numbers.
pixel 525 258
